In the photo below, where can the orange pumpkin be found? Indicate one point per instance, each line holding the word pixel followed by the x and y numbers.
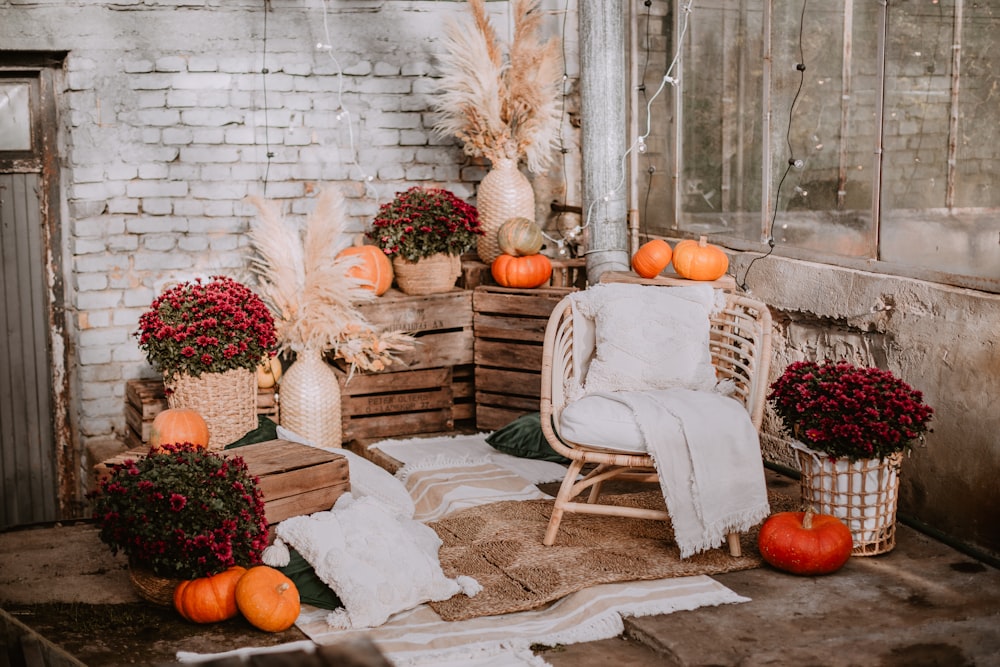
pixel 267 599
pixel 526 272
pixel 519 237
pixel 375 267
pixel 209 599
pixel 651 258
pixel 699 260
pixel 175 426
pixel 805 543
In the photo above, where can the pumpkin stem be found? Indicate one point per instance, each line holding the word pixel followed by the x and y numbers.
pixel 281 588
pixel 807 520
pixel 702 241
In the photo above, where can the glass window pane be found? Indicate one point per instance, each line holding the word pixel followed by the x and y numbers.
pixel 940 194
pixel 15 116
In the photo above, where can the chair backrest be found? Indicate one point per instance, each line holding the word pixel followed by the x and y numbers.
pixel 739 344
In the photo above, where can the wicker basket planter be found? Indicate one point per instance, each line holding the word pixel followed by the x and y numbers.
pixel 152 587
pixel 862 493
pixel 429 275
pixel 227 401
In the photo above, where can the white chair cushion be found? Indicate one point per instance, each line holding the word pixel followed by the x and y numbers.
pixel 649 337
pixel 601 421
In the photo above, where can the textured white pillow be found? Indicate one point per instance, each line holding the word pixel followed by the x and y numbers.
pixel 367 479
pixel 650 338
pixel 378 562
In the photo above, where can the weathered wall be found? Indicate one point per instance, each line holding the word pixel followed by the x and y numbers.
pixel 939 339
pixel 167 120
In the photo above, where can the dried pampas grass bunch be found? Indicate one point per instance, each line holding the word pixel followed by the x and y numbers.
pixel 501 106
pixel 308 288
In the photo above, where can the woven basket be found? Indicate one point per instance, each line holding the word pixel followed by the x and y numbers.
pixel 227 401
pixel 310 400
pixel 428 275
pixel 503 194
pixel 863 494
pixel 152 587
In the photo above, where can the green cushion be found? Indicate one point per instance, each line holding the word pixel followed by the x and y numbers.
pixel 312 590
pixel 523 437
pixel 266 430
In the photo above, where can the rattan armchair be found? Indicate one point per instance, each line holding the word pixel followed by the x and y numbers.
pixel 740 348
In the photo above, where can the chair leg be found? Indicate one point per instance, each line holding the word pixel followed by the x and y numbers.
pixel 734 545
pixel 564 496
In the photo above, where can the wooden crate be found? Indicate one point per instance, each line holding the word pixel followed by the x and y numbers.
pixel 509 326
pixel 295 479
pixel 441 323
pixel 399 404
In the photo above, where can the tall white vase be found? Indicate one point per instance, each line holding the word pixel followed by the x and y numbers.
pixel 503 194
pixel 309 396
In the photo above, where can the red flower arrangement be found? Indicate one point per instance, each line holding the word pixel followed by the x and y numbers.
pixel 849 411
pixel 183 512
pixel 421 222
pixel 195 327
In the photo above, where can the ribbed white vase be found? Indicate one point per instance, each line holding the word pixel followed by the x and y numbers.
pixel 309 396
pixel 503 194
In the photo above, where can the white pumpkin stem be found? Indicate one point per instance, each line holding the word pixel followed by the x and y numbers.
pixel 702 241
pixel 807 520
pixel 281 588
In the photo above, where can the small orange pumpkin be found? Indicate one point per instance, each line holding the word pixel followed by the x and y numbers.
pixel 209 599
pixel 699 260
pixel 519 237
pixel 527 272
pixel 268 599
pixel 375 267
pixel 805 543
pixel 651 258
pixel 175 426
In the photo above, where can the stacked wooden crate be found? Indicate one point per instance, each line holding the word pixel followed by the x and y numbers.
pixel 430 388
pixel 144 399
pixel 509 327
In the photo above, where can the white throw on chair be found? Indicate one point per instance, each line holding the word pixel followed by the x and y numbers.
pixel 639 382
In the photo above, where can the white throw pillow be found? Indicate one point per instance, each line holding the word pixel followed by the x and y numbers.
pixel 650 338
pixel 600 421
pixel 377 562
pixel 367 479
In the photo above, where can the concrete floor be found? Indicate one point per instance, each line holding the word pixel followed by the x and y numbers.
pixel 922 604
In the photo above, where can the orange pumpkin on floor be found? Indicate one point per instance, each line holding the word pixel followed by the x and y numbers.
pixel 175 426
pixel 209 599
pixel 526 272
pixel 268 599
pixel 805 542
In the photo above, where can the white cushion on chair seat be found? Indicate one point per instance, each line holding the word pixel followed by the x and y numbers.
pixel 601 421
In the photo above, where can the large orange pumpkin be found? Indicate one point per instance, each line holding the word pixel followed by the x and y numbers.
pixel 651 258
pixel 526 272
pixel 519 237
pixel 699 260
pixel 805 543
pixel 375 267
pixel 209 599
pixel 267 599
pixel 175 426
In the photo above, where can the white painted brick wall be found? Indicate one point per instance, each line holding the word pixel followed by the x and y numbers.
pixel 166 131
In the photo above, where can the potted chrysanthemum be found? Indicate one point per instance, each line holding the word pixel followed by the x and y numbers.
pixel 850 427
pixel 180 513
pixel 425 231
pixel 207 338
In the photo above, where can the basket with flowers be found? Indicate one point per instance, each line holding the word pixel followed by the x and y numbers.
pixel 207 338
pixel 181 513
pixel 423 228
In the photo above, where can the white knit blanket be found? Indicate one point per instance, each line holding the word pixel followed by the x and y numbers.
pixel 708 459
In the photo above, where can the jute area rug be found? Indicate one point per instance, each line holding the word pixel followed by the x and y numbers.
pixel 500 545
